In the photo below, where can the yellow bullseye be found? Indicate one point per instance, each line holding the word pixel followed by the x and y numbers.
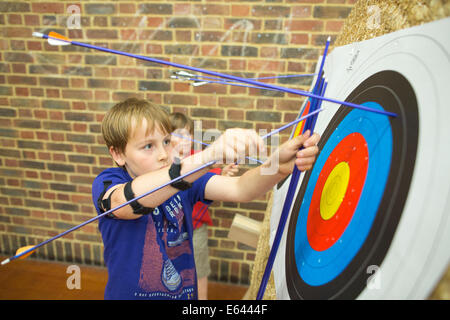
pixel 334 190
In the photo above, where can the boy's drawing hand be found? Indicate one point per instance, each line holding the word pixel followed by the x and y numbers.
pixel 234 145
pixel 304 159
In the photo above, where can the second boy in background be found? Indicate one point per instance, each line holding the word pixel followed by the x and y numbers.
pixel 183 145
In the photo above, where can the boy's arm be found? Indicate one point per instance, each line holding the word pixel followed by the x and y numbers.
pixel 146 182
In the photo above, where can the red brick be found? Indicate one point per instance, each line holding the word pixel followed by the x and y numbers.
pixel 240 10
pixel 182 8
pixel 47 7
pixel 269 52
pixel 155 22
pixel 126 21
pixel 53 82
pixel 22 92
pixel 211 89
pixel 31 19
pixel 299 38
pixel 77 83
pixel 210 101
pixel 127 8
pixel 235 114
pixel 14 19
pixel 304 25
pixel 128 85
pixel 101 34
pixel 209 50
pixel 331 12
pixel 238 90
pixel 334 26
pixel 211 9
pixel 153 48
pixel 271 11
pixel 266 65
pixel 238 64
pixel 52 93
pixel 301 11
pixel 34 45
pixel 127 72
pixel 22 80
pixel 101 95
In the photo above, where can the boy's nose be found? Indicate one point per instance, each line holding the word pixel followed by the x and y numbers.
pixel 162 156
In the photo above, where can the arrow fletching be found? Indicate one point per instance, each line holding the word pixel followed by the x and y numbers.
pixel 63 41
pixel 54 38
pixel 23 249
pixel 20 251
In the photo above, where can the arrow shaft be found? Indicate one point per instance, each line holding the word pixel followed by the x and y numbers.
pixel 313 113
pixel 109 211
pixel 201 78
pixel 238 79
pixel 222 75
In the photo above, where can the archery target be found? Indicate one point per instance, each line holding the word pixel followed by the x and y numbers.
pixel 377 196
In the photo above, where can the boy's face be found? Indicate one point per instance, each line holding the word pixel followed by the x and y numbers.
pixel 182 142
pixel 145 152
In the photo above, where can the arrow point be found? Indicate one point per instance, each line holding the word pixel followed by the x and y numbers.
pixel 5 261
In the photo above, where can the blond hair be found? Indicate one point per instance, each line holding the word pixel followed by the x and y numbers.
pixel 118 123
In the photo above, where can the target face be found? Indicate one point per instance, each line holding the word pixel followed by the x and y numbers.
pixel 332 231
pixel 377 197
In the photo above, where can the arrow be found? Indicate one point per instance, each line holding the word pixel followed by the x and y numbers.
pixel 24 252
pixel 58 39
pixel 202 80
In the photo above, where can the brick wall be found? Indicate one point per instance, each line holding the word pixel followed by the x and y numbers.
pixel 52 101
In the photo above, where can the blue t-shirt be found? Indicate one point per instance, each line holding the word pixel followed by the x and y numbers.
pixel 150 257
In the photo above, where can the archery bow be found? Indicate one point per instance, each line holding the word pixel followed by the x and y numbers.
pixel 310 123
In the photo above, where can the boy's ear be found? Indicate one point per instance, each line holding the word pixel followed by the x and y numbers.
pixel 118 157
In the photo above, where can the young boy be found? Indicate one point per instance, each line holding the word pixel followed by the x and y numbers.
pixel 148 244
pixel 182 137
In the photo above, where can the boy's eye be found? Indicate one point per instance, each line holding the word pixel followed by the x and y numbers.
pixel 148 146
pixel 167 142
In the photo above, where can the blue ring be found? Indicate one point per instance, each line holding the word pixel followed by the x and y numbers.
pixel 320 267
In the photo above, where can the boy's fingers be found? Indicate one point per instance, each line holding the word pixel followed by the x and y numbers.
pixel 312 141
pixel 304 164
pixel 308 152
pixel 307 134
pixel 305 161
